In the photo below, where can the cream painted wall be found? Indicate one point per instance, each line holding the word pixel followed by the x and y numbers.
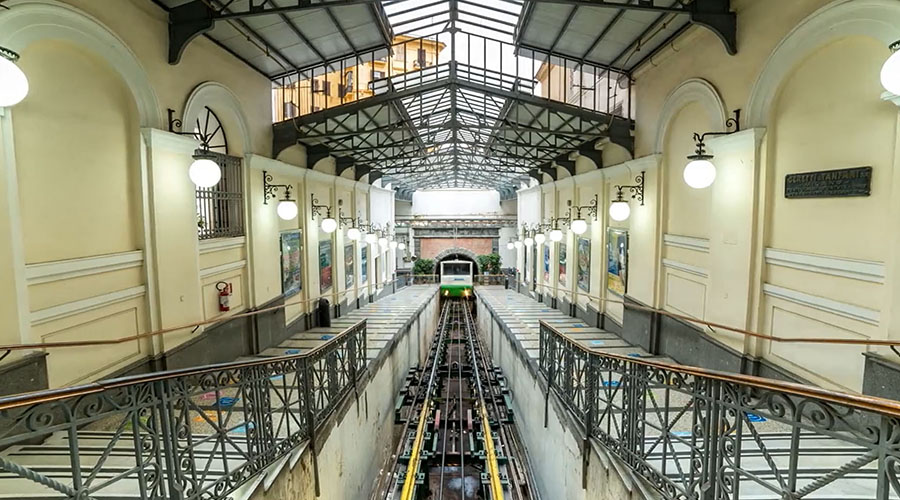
pixel 738 253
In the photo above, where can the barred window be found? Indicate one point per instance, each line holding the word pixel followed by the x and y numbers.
pixel 220 209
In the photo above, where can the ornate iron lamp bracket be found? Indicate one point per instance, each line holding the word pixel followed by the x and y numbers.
pixel 590 208
pixel 271 189
pixel 637 190
pixel 700 139
pixel 316 209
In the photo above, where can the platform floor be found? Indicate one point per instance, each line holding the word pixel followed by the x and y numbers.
pixel 765 444
pixel 109 442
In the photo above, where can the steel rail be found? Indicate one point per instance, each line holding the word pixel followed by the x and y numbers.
pixel 409 481
pixel 883 406
pixel 491 455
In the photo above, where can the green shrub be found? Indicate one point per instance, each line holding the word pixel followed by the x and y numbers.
pixel 423 266
pixel 489 263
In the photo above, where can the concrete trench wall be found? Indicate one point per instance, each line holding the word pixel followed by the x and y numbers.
pixel 554 451
pixel 360 437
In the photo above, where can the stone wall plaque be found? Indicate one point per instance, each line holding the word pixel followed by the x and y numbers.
pixel 829 183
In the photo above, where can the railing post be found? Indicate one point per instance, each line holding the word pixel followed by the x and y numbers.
pixel 711 446
pixel 311 420
pixel 168 440
pixel 590 373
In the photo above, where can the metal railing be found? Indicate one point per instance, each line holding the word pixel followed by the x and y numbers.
pixel 700 434
pixel 184 434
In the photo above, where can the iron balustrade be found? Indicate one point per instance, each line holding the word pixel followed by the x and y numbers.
pixel 701 434
pixel 184 434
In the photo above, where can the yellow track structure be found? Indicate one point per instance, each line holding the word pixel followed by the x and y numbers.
pixel 493 469
pixel 409 483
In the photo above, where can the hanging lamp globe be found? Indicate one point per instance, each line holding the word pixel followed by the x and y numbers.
pixel 699 173
pixel 540 238
pixel 371 238
pixel 204 171
pixel 329 225
pixel 402 246
pixel 510 246
pixel 619 210
pixel 393 245
pixel 556 235
pixel 518 244
pixel 579 226
pixel 353 234
pixel 13 82
pixel 287 209
pixel 890 71
pixel 529 241
pixel 383 242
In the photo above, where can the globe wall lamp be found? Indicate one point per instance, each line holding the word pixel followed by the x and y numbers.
pixel 287 208
pixel 619 209
pixel 13 82
pixel 700 172
pixel 329 224
pixel 890 71
pixel 353 233
pixel 204 171
pixel 578 225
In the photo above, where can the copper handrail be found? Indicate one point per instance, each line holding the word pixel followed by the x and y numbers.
pixel 749 333
pixel 880 405
pixel 171 329
pixel 44 396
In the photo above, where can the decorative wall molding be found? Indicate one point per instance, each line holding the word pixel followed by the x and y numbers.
pixel 224 268
pixel 858 313
pixel 688 268
pixel 47 272
pixel 260 163
pixel 221 244
pixel 169 141
pixel 688 242
pixel 879 19
pixel 38 20
pixel 61 311
pixel 693 90
pixel 863 270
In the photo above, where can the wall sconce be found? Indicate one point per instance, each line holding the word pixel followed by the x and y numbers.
pixel 13 82
pixel 204 171
pixel 700 171
pixel 328 223
pixel 287 208
pixel 890 71
pixel 619 209
pixel 579 224
pixel 353 233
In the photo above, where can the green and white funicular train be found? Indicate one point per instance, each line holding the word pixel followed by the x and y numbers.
pixel 456 278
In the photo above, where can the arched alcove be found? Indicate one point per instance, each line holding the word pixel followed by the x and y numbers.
pixel 228 110
pixel 456 253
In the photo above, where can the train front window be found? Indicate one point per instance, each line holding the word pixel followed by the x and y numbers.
pixel 455 269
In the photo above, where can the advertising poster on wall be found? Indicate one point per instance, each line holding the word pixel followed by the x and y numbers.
pixel 547 263
pixel 584 264
pixel 617 261
pixel 364 264
pixel 348 266
pixel 326 275
pixel 290 262
pixel 562 264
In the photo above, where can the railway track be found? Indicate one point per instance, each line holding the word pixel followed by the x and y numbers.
pixel 458 440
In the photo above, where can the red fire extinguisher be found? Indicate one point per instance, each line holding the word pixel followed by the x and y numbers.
pixel 224 295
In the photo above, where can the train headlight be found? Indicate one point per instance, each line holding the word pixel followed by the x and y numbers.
pixel 579 226
pixel 556 235
pixel 540 238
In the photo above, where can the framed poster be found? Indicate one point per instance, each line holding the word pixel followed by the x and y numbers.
pixel 290 263
pixel 348 266
pixel 325 268
pixel 617 261
pixel 584 264
pixel 364 264
pixel 562 264
pixel 546 263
